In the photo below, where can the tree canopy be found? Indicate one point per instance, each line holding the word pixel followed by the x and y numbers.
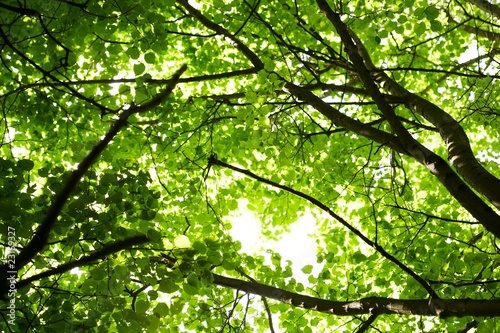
pixel 135 132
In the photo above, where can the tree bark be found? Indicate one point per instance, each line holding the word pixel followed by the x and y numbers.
pixel 372 305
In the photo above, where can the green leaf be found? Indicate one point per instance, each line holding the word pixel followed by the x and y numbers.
pixel 432 13
pixel 307 269
pixel 167 286
pixel 436 26
pixel 147 215
pixel 98 273
pixel 190 290
pixel 25 164
pixel 227 265
pixel 200 247
pixel 139 69
pixel 150 58
pixel 154 235
pixel 152 203
pixel 420 28
pixel 161 309
pixel 133 53
pixel 193 280
pixel 141 306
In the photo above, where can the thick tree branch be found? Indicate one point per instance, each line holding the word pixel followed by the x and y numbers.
pixel 460 152
pixel 434 163
pixel 340 119
pixel 487 7
pixel 481 211
pixel 442 308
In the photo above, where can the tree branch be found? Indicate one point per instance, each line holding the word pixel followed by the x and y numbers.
pixel 433 162
pixel 367 323
pixel 249 54
pixel 214 161
pixel 21 11
pixel 375 306
pixel 460 152
pixel 41 236
pixel 340 119
pixel 487 7
pixel 100 254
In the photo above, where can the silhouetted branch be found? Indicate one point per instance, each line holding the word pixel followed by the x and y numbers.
pixel 214 161
pixel 375 306
pixel 41 236
pixel 100 254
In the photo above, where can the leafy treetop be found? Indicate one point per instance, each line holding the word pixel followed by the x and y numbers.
pixel 134 130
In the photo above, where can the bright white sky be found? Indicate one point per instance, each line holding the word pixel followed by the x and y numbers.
pixel 297 245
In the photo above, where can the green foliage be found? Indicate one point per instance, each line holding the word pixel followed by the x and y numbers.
pixel 70 69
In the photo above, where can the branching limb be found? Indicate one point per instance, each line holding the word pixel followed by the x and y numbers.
pixel 47 74
pixel 371 305
pixel 366 324
pixel 487 7
pixel 460 152
pixel 214 161
pixel 249 54
pixel 41 236
pixel 20 10
pixel 434 163
pixel 100 254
